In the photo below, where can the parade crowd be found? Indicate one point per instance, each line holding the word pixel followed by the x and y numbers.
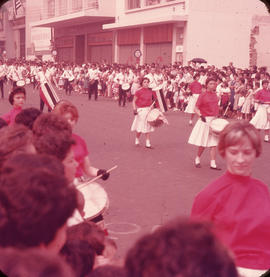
pixel 44 227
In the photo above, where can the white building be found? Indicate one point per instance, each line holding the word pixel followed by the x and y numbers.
pixel 166 31
pixel 162 31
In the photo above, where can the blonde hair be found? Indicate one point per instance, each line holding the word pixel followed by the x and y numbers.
pixel 234 132
pixel 65 106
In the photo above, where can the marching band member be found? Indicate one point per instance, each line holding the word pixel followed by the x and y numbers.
pixel 195 89
pixel 68 78
pixel 13 74
pixel 153 82
pixel 142 103
pixel 261 120
pixel 17 100
pixel 84 168
pixel 93 74
pixel 42 76
pixel 207 109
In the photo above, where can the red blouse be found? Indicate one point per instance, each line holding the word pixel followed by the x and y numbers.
pixel 80 152
pixel 263 95
pixel 144 97
pixel 10 116
pixel 239 207
pixel 207 103
pixel 195 87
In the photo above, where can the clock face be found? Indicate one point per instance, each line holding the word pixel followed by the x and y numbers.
pixel 54 52
pixel 137 53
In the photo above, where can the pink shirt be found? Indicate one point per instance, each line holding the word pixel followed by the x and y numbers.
pixel 207 103
pixel 239 207
pixel 144 97
pixel 263 95
pixel 10 116
pixel 80 153
pixel 195 87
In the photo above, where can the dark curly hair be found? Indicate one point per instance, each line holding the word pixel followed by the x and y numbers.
pixel 15 91
pixel 34 203
pixel 180 248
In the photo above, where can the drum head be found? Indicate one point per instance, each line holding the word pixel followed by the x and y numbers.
pixel 96 200
pixel 218 124
pixel 153 115
pixel 125 86
pixel 20 83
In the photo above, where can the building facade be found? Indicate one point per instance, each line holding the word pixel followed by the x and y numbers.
pixel 168 31
pixel 154 29
pixel 139 31
pixel 12 29
pixel 77 33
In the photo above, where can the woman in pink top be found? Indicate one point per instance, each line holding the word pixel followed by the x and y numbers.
pixel 84 169
pixel 17 100
pixel 142 103
pixel 261 120
pixel 237 204
pixel 207 109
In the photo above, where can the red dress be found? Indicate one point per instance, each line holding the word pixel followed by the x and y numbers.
pixel 239 208
pixel 80 152
pixel 10 116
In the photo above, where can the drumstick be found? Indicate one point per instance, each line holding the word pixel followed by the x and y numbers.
pixel 96 178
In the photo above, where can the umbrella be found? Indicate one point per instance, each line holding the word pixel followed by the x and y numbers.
pixel 198 60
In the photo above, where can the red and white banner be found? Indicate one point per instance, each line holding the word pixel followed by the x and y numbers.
pixel 48 95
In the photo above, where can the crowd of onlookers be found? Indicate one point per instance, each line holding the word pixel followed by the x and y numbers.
pixel 38 196
pixel 236 87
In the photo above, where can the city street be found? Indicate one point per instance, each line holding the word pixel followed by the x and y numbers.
pixel 150 186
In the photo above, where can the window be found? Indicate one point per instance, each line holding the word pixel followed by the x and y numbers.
pixel 152 2
pixel 51 8
pixel 62 7
pixel 93 4
pixel 133 4
pixel 76 5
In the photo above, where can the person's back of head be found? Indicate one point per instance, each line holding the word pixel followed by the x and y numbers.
pixel 34 205
pixel 109 271
pixel 27 117
pixel 15 139
pixel 50 123
pixel 32 262
pixel 79 255
pixel 90 232
pixel 180 248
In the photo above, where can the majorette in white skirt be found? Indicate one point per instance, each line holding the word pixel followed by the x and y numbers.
pixel 201 134
pixel 140 123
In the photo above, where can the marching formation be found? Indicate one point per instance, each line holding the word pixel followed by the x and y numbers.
pixel 45 167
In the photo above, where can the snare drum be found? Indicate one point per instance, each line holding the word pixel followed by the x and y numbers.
pixel 126 86
pixel 27 81
pixel 217 125
pixel 96 200
pixel 153 118
pixel 20 83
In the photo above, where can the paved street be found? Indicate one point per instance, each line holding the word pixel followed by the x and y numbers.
pixel 149 187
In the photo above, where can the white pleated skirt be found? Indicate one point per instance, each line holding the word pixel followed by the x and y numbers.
pixel 140 123
pixel 201 134
pixel 192 103
pixel 260 120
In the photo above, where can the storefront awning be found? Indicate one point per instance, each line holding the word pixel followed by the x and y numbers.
pixel 145 22
pixel 82 17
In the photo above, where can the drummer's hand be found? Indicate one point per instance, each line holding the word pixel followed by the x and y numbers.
pixel 203 118
pixel 135 112
pixel 104 173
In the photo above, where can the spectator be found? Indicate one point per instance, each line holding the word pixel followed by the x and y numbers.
pixel 34 205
